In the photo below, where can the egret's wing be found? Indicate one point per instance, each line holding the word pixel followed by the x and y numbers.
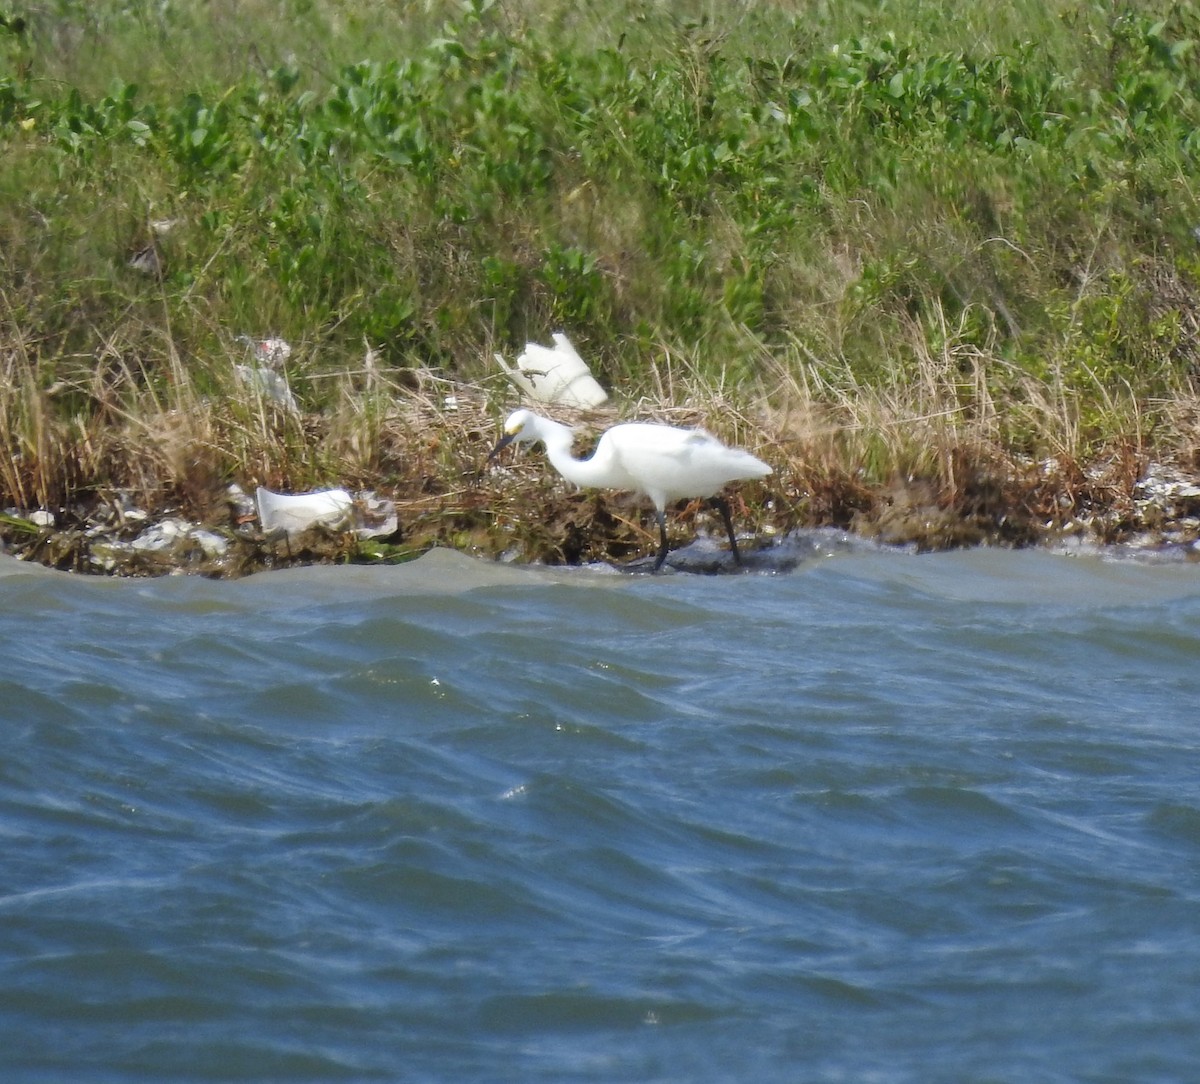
pixel 668 463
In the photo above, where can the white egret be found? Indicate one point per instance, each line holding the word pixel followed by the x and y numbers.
pixel 664 462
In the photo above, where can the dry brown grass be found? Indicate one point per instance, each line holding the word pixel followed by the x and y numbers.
pixel 922 460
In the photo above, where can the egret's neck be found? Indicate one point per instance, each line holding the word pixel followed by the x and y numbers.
pixel 557 438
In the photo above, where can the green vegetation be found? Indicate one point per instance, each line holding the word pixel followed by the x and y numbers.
pixel 876 240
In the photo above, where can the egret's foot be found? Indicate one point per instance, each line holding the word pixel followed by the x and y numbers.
pixel 644 566
pixel 697 559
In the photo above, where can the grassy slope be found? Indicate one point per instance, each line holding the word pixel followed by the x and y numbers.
pixel 879 240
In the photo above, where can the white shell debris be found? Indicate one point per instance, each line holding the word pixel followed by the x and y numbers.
pixel 1165 485
pixel 296 512
pixel 555 374
pixel 176 535
pixel 162 535
pixel 165 543
pixel 242 506
pixel 212 544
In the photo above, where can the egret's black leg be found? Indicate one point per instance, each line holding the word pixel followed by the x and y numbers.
pixel 722 506
pixel 662 547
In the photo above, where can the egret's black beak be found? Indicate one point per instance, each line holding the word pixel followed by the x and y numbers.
pixel 503 443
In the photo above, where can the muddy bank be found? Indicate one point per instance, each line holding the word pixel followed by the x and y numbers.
pixel 520 512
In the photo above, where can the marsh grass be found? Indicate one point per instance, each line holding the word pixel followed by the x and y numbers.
pixel 898 247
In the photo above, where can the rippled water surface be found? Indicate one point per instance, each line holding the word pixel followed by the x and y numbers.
pixel 886 818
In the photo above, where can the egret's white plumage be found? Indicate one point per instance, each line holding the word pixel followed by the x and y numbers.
pixel 664 462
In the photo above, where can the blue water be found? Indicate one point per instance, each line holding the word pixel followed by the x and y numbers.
pixel 887 818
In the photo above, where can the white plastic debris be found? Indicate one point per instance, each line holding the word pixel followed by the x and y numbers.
pixel 270 352
pixel 296 512
pixel 41 517
pixel 147 260
pixel 272 386
pixel 375 517
pixel 555 374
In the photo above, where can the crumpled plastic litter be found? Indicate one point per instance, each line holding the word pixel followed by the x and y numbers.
pixel 555 374
pixel 266 377
pixel 376 516
pixel 297 512
pixel 243 507
pixel 271 352
pixel 294 513
pixel 272 386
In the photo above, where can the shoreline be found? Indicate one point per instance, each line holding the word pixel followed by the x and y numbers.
pixel 903 258
pixel 522 513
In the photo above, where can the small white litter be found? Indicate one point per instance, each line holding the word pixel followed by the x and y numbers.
pixel 296 512
pixel 555 374
pixel 270 352
pixel 147 260
pixel 375 517
pixel 272 386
